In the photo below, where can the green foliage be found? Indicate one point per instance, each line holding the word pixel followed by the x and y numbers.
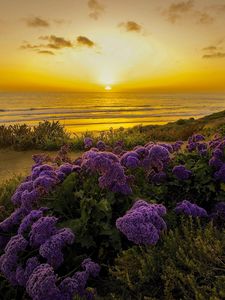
pixel 46 136
pixel 7 189
pixel 200 188
pixel 52 135
pixel 91 213
pixel 189 263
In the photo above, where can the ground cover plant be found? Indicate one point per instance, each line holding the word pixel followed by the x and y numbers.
pixel 143 223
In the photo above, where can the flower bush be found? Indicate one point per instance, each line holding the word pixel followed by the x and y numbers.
pixel 69 218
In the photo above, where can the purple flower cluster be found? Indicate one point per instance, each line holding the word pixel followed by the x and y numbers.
pixel 181 172
pixel 88 143
pixel 143 223
pixel 51 249
pixel 108 166
pixel 190 209
pixel 35 231
pixel 196 142
pixel 130 160
pixel 44 283
pixel 217 161
pixel 9 260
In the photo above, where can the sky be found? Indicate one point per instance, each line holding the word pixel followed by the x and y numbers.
pixel 129 45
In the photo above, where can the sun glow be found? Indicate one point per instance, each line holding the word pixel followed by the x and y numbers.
pixel 108 88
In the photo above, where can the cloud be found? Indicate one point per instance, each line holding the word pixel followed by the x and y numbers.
pixel 213 51
pixel 96 9
pixel 46 52
pixel 52 42
pixel 176 10
pixel 210 48
pixel 84 41
pixel 56 42
pixel 204 18
pixel 36 22
pixel 131 26
pixel 214 55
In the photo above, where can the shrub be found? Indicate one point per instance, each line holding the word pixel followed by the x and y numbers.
pixel 187 264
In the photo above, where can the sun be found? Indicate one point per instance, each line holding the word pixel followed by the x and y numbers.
pixel 108 88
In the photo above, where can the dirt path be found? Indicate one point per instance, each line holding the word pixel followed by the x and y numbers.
pixel 14 163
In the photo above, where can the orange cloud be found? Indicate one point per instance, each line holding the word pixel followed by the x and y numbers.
pixel 213 52
pixel 131 26
pixel 175 11
pixel 96 9
pixel 37 22
pixel 56 42
pixel 84 41
pixel 46 52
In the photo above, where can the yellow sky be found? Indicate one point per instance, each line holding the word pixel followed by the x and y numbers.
pixel 84 45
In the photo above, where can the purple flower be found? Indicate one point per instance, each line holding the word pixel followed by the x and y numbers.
pixel 29 198
pixel 215 162
pixel 181 172
pixel 8 261
pixel 159 153
pixel 220 175
pixel 101 146
pixel 191 146
pixel 177 146
pixel 22 275
pixel 52 248
pixel 198 138
pixel 218 153
pixel 16 198
pixel 42 230
pixel 13 220
pixel 190 209
pixel 88 143
pixel 38 169
pixel 159 177
pixel 141 151
pixel 142 224
pixel 66 168
pixel 41 285
pixel 45 182
pixel 130 160
pixel 32 217
pixel 91 267
pixel 167 146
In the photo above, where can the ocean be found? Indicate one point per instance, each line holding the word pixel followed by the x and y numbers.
pixel 101 111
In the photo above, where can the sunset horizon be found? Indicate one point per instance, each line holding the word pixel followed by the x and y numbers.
pixel 83 46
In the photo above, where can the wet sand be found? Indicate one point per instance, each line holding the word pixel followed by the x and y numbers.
pixel 13 163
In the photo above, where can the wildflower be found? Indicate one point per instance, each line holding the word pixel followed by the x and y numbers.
pixel 8 261
pixel 22 275
pixel 51 249
pixel 42 230
pixel 142 224
pixel 88 143
pixel 101 146
pixel 159 177
pixel 220 175
pixel 215 162
pixel 32 217
pixel 42 284
pixel 190 209
pixel 181 172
